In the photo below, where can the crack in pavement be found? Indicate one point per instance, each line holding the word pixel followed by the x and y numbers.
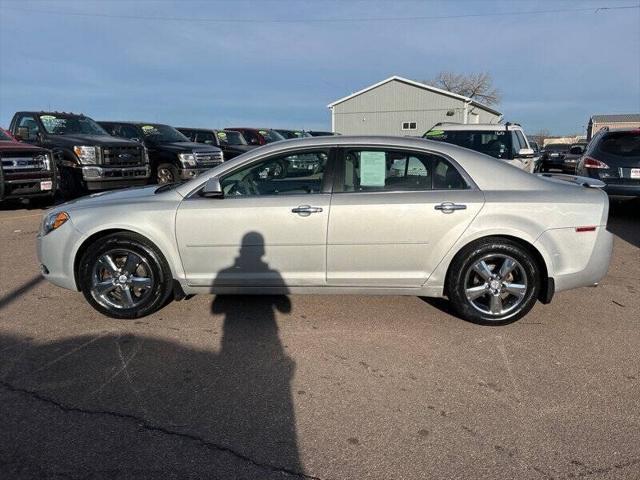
pixel 155 428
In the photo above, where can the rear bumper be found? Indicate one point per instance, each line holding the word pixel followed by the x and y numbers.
pixel 623 190
pixel 579 259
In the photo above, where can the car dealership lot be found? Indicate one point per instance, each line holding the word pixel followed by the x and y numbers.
pixel 320 386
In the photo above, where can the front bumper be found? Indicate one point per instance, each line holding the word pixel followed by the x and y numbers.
pixel 95 173
pixel 55 255
pixel 26 185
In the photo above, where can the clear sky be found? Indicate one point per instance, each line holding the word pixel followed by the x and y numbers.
pixel 278 63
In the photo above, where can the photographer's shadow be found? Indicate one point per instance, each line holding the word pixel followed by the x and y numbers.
pixel 257 372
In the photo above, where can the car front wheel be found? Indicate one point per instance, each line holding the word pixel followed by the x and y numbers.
pixel 124 276
pixel 493 282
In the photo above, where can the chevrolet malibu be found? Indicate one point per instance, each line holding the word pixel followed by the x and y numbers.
pixel 380 215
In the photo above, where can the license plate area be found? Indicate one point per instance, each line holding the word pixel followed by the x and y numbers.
pixel 634 173
pixel 46 185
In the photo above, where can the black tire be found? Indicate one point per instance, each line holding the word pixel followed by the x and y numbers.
pixel 166 173
pixel 147 300
pixel 494 252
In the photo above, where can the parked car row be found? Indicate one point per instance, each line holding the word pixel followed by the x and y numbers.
pixel 84 155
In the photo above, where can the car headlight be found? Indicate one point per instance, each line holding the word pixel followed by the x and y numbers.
pixel 187 159
pixel 45 160
pixel 53 221
pixel 86 155
pixel 145 155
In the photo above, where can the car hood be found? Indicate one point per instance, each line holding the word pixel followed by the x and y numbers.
pixel 190 147
pixel 98 140
pixel 124 196
pixel 17 146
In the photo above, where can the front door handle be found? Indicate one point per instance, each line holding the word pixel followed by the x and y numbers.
pixel 306 210
pixel 450 207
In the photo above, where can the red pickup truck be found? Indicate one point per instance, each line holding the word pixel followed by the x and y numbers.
pixel 26 171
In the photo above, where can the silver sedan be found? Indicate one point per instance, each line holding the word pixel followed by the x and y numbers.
pixel 376 215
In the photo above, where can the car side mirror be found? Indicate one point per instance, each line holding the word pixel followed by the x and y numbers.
pixel 22 133
pixel 576 150
pixel 525 152
pixel 212 188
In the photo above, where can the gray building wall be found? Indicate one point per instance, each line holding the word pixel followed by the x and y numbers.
pixel 383 110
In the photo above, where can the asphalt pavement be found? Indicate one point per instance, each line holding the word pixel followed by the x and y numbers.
pixel 320 387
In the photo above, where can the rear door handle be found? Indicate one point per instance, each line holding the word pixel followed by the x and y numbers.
pixel 306 210
pixel 450 207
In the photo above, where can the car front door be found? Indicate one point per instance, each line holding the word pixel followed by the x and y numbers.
pixel 394 215
pixel 269 228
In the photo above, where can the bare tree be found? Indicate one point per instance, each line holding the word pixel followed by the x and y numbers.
pixel 478 86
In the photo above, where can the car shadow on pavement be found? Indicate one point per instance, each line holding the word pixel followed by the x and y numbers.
pixel 21 290
pixel 126 405
pixel 624 220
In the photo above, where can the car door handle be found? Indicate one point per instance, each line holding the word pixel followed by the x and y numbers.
pixel 450 207
pixel 306 210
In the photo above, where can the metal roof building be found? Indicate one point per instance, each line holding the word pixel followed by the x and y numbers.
pixel 624 120
pixel 398 106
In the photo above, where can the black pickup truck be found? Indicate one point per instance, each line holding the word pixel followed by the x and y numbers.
pixel 231 143
pixel 87 157
pixel 173 157
pixel 25 171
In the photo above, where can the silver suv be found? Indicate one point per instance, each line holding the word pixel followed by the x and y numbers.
pixel 504 141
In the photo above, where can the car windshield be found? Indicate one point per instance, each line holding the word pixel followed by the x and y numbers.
pixel 231 137
pixel 293 133
pixel 70 125
pixel 623 144
pixel 4 137
pixel 490 142
pixel 162 133
pixel 270 136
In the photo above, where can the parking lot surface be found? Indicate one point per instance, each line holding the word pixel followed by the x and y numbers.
pixel 322 387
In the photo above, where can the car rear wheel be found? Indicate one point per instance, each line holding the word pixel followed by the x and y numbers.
pixel 124 276
pixel 493 282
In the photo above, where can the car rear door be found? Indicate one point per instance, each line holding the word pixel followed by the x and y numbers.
pixel 394 215
pixel 266 231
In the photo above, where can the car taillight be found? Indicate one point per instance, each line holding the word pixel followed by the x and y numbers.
pixel 590 162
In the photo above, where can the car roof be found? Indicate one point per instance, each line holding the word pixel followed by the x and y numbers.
pixel 475 126
pixel 492 172
pixel 196 129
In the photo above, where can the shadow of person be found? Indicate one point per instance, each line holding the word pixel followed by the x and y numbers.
pixel 257 368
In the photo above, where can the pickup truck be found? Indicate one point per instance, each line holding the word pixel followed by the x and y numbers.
pixel 25 171
pixel 173 156
pixel 231 143
pixel 87 157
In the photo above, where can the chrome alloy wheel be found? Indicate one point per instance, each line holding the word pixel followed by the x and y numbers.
pixel 121 279
pixel 165 175
pixel 496 284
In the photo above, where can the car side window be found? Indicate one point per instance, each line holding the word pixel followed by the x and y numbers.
pixel 523 141
pixel 292 174
pixel 385 170
pixel 251 137
pixel 204 137
pixel 30 122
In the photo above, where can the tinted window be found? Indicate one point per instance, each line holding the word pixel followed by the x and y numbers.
pixel 205 137
pixel 190 134
pixel 162 133
pixel 4 137
pixel 296 174
pixel 378 170
pixel 231 137
pixel 495 143
pixel 270 136
pixel 251 136
pixel 521 139
pixel 623 144
pixel 122 130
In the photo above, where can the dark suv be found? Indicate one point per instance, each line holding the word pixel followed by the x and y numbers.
pixel 87 157
pixel 173 157
pixel 613 156
pixel 230 142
